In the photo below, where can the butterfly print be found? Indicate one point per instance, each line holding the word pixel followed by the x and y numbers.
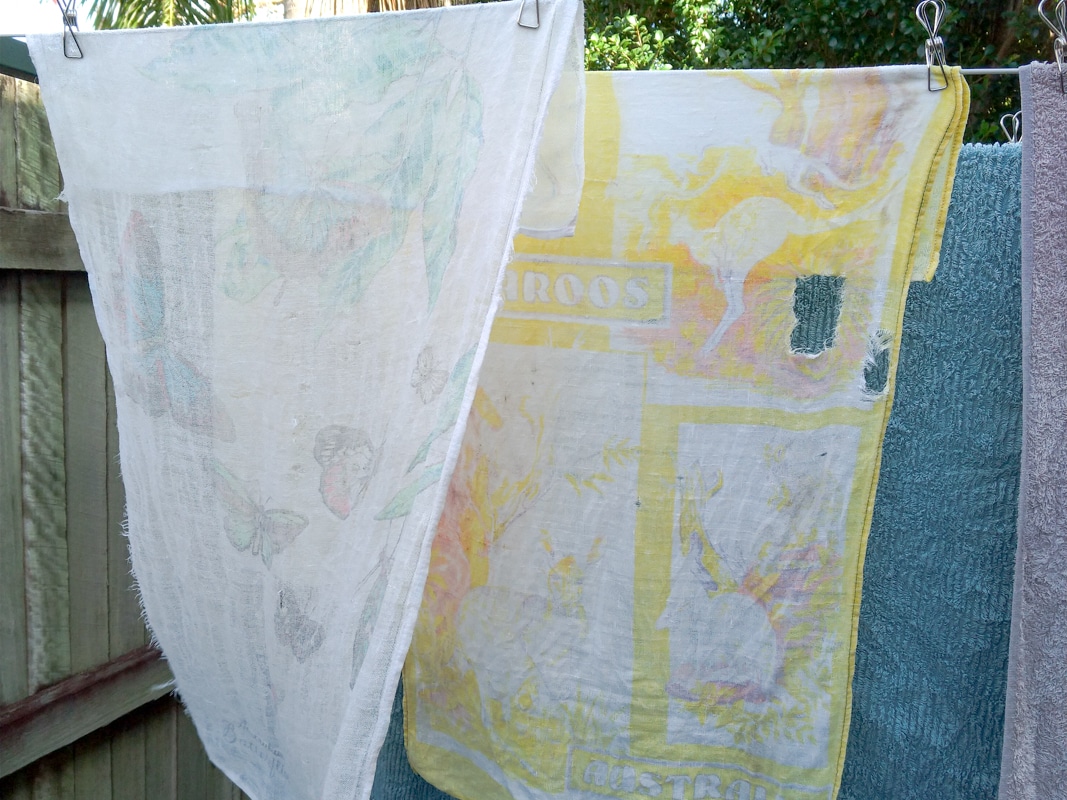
pixel 295 628
pixel 156 377
pixel 348 459
pixel 427 378
pixel 448 408
pixel 249 524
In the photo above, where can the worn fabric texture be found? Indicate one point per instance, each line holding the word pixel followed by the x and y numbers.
pixel 1035 732
pixel 293 234
pixel 645 579
pixel 937 578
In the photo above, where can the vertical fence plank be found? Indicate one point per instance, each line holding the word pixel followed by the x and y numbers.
pixel 53 776
pixel 17 787
pixel 224 789
pixel 13 660
pixel 39 182
pixel 128 759
pixel 8 155
pixel 44 507
pixel 194 770
pixel 92 767
pixel 161 748
pixel 85 426
pixel 237 794
pixel 14 681
pixel 126 630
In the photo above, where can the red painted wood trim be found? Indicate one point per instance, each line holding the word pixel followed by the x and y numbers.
pixel 78 685
pixel 66 711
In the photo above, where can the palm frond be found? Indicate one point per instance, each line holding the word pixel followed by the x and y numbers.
pixel 111 14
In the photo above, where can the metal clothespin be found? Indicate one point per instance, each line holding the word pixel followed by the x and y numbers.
pixel 71 47
pixel 524 22
pixel 1012 125
pixel 930 13
pixel 1058 25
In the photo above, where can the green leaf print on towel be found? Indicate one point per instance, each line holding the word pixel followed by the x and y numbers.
pixel 407 119
pixel 424 169
pixel 404 501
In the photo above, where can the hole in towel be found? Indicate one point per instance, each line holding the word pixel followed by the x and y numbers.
pixel 817 308
pixel 876 363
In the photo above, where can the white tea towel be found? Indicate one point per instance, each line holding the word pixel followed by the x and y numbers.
pixel 293 234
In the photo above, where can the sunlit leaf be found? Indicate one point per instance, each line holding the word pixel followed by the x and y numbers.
pixel 110 14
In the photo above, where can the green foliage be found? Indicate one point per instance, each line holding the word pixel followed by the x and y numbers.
pixel 751 34
pixel 627 43
pixel 652 35
pixel 109 14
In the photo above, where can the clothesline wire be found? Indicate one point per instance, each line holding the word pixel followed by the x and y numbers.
pixel 930 13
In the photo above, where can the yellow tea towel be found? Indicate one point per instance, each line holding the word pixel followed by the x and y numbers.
pixel 646 578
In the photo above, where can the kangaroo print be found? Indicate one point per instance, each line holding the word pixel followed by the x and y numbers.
pixel 644 582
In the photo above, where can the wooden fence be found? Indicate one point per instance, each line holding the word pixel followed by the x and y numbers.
pixel 85 704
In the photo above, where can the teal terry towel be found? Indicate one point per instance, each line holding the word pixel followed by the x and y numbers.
pixel 931 658
pixel 394 779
